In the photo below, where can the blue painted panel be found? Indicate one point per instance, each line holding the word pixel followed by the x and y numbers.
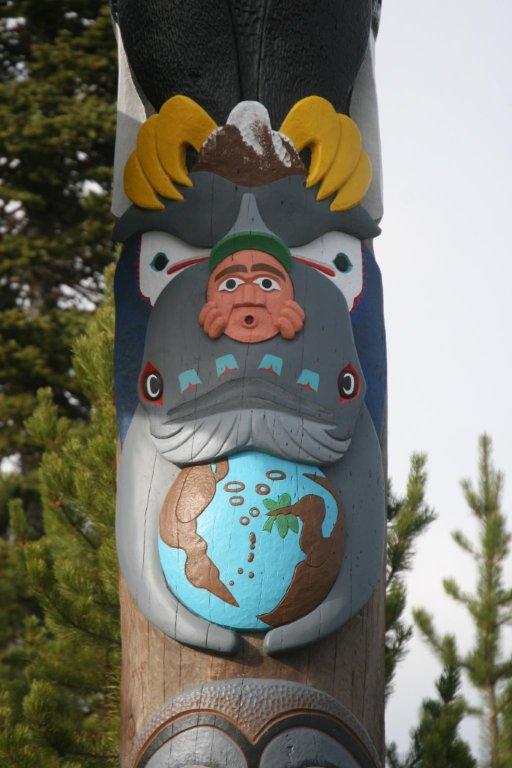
pixel 370 338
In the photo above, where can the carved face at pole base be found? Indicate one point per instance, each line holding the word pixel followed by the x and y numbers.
pixel 253 723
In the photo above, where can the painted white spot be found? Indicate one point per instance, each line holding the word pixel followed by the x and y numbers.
pixel 160 257
pixel 324 251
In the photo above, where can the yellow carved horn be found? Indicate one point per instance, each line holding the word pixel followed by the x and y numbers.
pixel 313 122
pixel 137 187
pixel 338 160
pixel 347 157
pixel 353 191
pixel 180 122
pixel 148 158
pixel 158 161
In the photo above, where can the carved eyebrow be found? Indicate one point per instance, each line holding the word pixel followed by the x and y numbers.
pixel 231 270
pixel 267 268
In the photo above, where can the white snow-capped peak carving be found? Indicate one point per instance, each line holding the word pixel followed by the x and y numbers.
pixel 252 121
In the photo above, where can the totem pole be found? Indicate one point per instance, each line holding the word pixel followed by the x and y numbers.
pixel 250 382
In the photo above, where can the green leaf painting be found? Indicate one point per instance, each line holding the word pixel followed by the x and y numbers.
pixel 269 522
pixel 284 523
pixel 293 523
pixel 284 500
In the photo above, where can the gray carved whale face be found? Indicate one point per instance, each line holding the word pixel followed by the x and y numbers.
pixel 207 398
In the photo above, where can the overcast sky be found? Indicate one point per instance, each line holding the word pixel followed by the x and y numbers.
pixel 445 92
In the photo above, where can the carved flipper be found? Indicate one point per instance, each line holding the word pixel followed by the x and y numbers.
pixel 143 480
pixel 360 478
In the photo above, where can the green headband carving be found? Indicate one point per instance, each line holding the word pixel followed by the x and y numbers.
pixel 258 241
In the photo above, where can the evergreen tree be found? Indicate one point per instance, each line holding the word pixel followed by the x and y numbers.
pixel 408 518
pixel 436 742
pixel 57 95
pixel 59 681
pixel 487 667
pixel 506 735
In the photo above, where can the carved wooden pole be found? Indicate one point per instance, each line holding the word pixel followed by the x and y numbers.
pixel 250 384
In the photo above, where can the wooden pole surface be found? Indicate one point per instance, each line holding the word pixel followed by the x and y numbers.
pixel 348 665
pixel 250 374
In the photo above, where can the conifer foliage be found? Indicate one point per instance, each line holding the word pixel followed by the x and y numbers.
pixel 436 742
pixel 57 121
pixel 60 679
pixel 487 665
pixel 408 518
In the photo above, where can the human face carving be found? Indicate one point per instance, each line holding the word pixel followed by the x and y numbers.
pixel 250 298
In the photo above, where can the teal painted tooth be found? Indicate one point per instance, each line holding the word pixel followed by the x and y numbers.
pixel 272 364
pixel 309 379
pixel 188 380
pixel 226 364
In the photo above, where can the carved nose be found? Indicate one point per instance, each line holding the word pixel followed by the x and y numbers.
pixel 249 293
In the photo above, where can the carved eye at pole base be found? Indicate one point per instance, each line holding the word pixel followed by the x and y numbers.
pixel 349 383
pixel 152 385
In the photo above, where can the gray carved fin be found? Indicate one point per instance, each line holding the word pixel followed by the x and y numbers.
pixel 144 479
pixel 359 477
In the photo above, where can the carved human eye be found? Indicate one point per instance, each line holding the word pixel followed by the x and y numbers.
pixel 159 261
pixel 267 284
pixel 152 384
pixel 348 383
pixel 342 263
pixel 230 284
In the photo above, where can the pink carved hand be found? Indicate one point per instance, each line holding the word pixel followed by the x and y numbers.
pixel 291 319
pixel 213 320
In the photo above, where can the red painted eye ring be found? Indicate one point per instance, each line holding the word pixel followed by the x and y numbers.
pixel 152 385
pixel 349 383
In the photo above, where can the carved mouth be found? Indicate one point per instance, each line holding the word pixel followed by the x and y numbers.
pixel 249 394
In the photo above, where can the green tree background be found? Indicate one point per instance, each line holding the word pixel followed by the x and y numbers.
pixel 57 123
pixel 487 664
pixel 59 633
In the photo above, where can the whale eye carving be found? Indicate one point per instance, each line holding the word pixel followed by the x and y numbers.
pixel 342 263
pixel 159 262
pixel 349 383
pixel 152 385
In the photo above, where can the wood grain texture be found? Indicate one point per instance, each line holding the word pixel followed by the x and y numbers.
pixel 348 665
